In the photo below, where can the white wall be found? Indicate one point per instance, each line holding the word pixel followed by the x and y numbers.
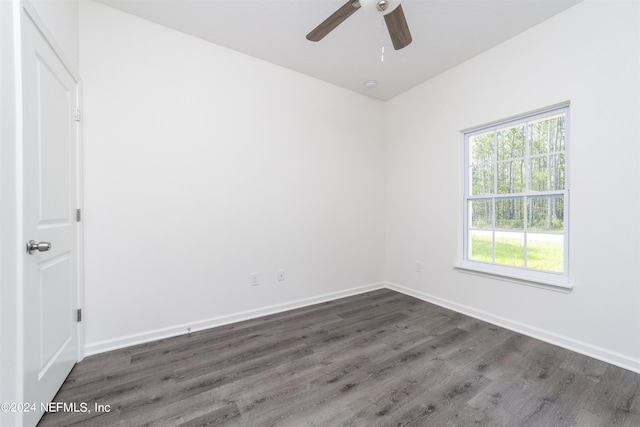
pixel 203 165
pixel 588 55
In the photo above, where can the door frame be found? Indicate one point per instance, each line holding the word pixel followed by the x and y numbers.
pixel 10 208
pixel 12 15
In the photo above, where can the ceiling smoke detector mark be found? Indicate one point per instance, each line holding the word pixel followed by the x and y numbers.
pixel 370 84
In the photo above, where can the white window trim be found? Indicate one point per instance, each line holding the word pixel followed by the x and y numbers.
pixel 484 270
pixel 559 282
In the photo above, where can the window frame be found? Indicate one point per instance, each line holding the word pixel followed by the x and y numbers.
pixel 523 275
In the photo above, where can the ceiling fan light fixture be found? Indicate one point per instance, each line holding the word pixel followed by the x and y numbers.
pixel 383 7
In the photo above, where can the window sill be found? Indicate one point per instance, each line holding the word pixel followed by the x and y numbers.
pixel 560 285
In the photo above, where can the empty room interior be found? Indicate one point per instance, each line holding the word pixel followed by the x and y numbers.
pixel 238 213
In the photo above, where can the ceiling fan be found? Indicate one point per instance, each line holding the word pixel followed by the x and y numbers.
pixel 393 17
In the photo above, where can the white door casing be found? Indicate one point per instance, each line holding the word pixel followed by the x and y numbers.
pixel 50 199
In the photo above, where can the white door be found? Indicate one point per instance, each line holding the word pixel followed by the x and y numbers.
pixel 50 186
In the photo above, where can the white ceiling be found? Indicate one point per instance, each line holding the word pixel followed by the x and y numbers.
pixel 445 33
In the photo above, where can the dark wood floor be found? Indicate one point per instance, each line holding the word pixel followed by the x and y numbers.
pixel 376 359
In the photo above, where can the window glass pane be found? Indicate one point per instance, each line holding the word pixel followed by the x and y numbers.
pixel 539 169
pixel 480 214
pixel 511 177
pixel 540 132
pixel 481 148
pixel 482 180
pixel 481 246
pixel 558 141
pixel 547 173
pixel 510 214
pixel 511 142
pixel 510 248
pixel 557 172
pixel 545 214
pixel 545 252
pixel 547 135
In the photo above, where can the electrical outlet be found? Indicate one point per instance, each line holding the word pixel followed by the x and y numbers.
pixel 255 279
pixel 281 275
pixel 419 266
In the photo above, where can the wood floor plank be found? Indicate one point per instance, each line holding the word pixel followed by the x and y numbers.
pixel 616 399
pixel 558 401
pixel 376 359
pixel 501 400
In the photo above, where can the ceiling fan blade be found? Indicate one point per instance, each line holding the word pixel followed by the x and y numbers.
pixel 398 28
pixel 333 21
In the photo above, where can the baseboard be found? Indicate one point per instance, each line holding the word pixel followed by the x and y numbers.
pixel 144 337
pixel 590 350
pixel 587 349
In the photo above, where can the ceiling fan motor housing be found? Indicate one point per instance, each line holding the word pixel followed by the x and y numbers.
pixel 380 6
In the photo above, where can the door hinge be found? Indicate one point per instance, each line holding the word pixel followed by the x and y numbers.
pixel 77 114
pixel 79 315
pixel 78 215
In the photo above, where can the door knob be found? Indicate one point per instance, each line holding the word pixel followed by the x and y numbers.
pixel 41 247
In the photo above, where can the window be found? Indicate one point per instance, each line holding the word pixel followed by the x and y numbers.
pixel 515 197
